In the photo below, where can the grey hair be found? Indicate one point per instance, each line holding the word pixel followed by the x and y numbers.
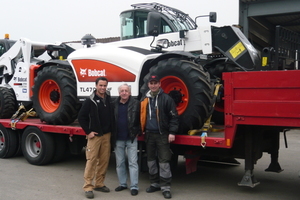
pixel 124 84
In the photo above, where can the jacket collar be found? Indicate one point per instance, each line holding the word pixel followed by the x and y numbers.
pixel 149 95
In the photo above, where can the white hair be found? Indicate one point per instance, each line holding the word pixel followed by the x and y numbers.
pixel 124 84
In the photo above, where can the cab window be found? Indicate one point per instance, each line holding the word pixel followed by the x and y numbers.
pixel 134 25
pixel 2 49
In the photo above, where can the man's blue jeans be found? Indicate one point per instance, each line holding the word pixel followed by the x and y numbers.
pixel 120 151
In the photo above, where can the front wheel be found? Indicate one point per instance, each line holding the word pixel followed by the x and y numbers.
pixel 55 95
pixel 8 103
pixel 189 86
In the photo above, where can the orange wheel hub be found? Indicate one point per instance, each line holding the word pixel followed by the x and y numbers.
pixel 177 89
pixel 49 96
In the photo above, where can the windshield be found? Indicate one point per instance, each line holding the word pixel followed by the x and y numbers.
pixel 134 22
pixel 126 20
pixel 134 25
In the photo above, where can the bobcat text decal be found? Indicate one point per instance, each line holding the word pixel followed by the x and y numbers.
pixel 175 43
pixel 88 70
pixel 92 72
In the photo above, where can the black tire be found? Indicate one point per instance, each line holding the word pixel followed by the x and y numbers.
pixel 189 86
pixel 37 146
pixel 55 95
pixel 19 149
pixel 218 117
pixel 217 67
pixel 60 152
pixel 9 142
pixel 8 103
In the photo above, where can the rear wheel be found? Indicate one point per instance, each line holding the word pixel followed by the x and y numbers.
pixel 8 103
pixel 55 95
pixel 37 146
pixel 189 86
pixel 216 69
pixel 60 152
pixel 9 142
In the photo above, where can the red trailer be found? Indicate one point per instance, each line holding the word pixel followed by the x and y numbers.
pixel 258 107
pixel 40 143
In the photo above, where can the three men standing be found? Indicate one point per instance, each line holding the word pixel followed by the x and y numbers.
pixel 155 115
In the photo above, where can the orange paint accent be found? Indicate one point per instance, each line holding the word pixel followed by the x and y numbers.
pixel 89 70
pixel 143 116
pixel 228 143
pixel 32 75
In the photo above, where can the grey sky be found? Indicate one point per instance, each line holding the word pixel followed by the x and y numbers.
pixel 69 20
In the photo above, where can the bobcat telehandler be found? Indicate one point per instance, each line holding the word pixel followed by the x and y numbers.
pixel 155 38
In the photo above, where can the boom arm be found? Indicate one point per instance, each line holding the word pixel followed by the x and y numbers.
pixel 20 51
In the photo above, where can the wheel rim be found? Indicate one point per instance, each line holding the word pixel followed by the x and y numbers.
pixel 49 96
pixel 177 89
pixel 2 141
pixel 33 145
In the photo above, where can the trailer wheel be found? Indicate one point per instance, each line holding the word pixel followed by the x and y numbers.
pixel 9 142
pixel 60 152
pixel 37 146
pixel 189 86
pixel 55 95
pixel 8 103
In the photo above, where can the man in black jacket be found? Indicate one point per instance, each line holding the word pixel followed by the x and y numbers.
pixel 159 120
pixel 96 119
pixel 127 120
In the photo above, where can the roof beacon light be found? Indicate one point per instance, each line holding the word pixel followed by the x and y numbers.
pixel 88 40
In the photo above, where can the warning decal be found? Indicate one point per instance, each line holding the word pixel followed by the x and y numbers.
pixel 236 50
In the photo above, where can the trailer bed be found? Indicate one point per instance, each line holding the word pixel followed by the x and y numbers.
pixel 72 129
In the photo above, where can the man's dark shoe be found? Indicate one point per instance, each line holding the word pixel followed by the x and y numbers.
pixel 102 189
pixel 120 188
pixel 89 194
pixel 167 194
pixel 134 192
pixel 152 189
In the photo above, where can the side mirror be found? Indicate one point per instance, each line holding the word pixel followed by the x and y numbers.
pixel 153 23
pixel 212 17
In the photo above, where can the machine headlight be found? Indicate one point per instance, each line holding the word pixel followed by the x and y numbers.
pixel 163 43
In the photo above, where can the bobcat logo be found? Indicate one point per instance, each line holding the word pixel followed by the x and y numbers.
pixel 83 72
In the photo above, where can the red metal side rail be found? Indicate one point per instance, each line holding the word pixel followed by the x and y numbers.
pixel 270 98
pixel 73 129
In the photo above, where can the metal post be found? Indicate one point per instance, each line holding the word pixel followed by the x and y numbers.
pixel 296 60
